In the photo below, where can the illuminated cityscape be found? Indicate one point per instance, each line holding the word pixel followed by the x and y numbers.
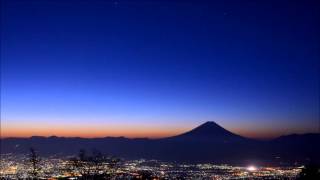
pixel 16 167
pixel 160 89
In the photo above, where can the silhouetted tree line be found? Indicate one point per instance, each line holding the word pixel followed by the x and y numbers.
pixel 34 160
pixel 92 166
pixel 86 166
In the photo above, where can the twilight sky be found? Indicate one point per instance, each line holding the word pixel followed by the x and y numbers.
pixel 158 68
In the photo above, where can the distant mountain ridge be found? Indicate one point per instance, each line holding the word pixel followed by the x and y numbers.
pixel 208 142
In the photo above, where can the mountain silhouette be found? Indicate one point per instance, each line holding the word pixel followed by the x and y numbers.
pixel 209 131
pixel 208 142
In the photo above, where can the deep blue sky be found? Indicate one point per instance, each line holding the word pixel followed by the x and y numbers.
pixel 167 66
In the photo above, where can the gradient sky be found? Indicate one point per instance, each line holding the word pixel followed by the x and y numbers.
pixel 158 68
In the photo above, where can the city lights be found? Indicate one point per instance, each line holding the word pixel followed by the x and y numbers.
pixel 18 166
pixel 251 168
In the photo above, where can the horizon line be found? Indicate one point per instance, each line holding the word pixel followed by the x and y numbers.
pixel 157 137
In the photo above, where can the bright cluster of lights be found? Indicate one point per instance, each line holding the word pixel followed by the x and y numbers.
pixel 251 168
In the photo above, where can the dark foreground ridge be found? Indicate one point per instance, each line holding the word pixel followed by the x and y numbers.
pixel 208 142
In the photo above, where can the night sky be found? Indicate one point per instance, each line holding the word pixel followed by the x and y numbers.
pixel 157 68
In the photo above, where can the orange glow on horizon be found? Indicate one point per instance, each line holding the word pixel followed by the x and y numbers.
pixel 126 130
pixel 91 132
pixel 114 132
